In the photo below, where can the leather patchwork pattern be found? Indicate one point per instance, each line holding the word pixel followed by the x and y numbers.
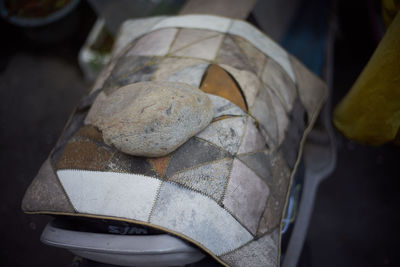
pixel 130 70
pixel 225 134
pixel 278 184
pixel 282 118
pixel 195 152
pixel 216 81
pixel 255 57
pixel 209 179
pixel 156 43
pixel 231 55
pixel 264 111
pixel 246 195
pixel 264 43
pixel 195 43
pixel 259 253
pixel 84 155
pixel 249 83
pixel 295 132
pixel 224 107
pixel 198 217
pixel 224 189
pixel 259 162
pixel 252 139
pixel 279 81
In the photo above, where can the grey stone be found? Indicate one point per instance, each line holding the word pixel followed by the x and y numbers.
pixel 151 118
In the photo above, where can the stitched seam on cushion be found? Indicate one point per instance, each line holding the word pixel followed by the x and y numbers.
pixel 63 189
pixel 258 176
pixel 255 151
pixel 222 207
pixel 221 148
pixel 178 70
pixel 247 243
pixel 192 43
pixel 238 248
pixel 114 79
pixel 299 154
pixel 174 40
pixel 259 125
pixel 262 216
pixel 221 201
pixel 224 34
pixel 275 116
pixel 244 133
pixel 278 94
pixel 214 145
pixel 197 166
pixel 243 53
pixel 237 219
pixel 193 189
pixel 155 202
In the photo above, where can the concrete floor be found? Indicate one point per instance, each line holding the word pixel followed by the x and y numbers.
pixel 356 212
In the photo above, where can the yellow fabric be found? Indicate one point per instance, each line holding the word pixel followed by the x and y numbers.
pixel 389 10
pixel 370 112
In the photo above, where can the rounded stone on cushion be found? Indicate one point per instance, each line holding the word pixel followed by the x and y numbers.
pixel 151 119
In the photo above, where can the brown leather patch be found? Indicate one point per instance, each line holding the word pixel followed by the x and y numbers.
pixel 218 82
pixel 84 155
pixel 90 132
pixel 160 164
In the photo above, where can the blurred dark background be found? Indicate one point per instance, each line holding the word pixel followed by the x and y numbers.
pixel 356 215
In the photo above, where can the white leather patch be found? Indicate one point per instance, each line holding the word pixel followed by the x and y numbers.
pixel 110 194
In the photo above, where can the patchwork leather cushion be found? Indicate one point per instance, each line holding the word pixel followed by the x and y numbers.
pixel 226 188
